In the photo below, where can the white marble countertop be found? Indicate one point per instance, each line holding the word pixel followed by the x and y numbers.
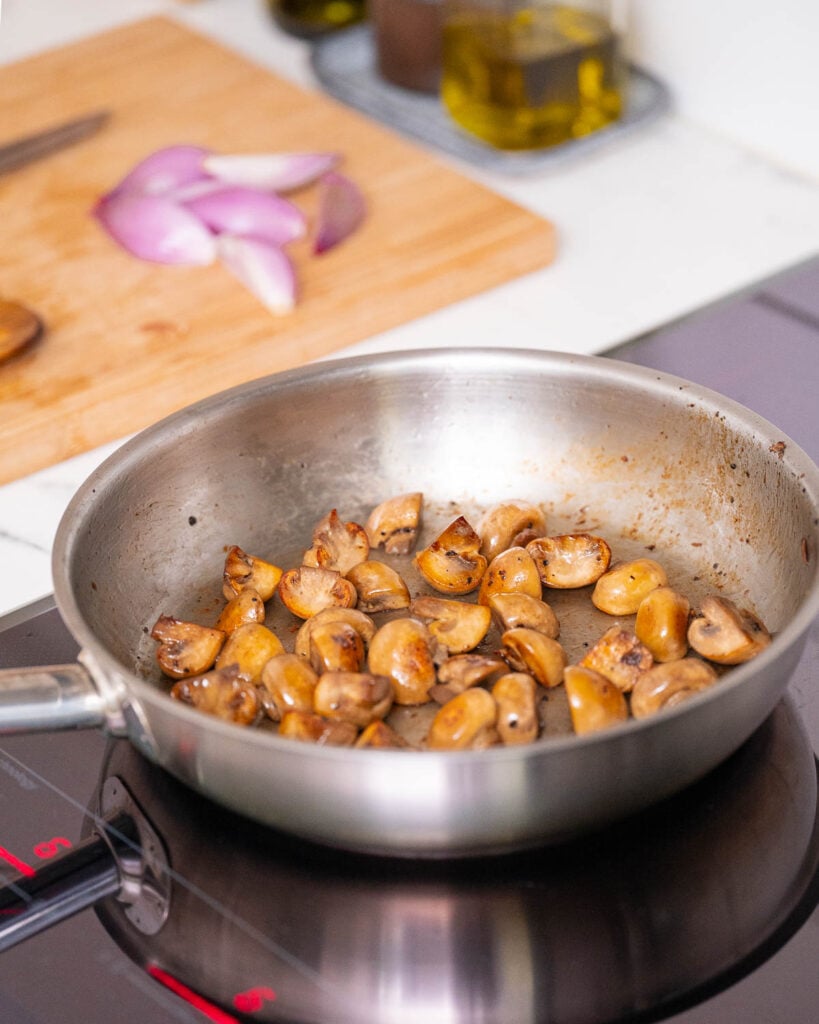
pixel 650 227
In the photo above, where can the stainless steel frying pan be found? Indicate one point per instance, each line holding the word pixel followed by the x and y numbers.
pixel 718 495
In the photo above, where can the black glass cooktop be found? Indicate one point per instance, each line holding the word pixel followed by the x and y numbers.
pixel 701 911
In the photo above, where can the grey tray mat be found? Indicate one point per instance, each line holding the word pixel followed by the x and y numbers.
pixel 344 64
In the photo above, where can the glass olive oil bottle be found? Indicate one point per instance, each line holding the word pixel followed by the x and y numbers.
pixel 525 75
pixel 310 18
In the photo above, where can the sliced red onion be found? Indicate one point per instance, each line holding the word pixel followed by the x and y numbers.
pixel 155 228
pixel 165 170
pixel 265 270
pixel 277 172
pixel 235 210
pixel 341 209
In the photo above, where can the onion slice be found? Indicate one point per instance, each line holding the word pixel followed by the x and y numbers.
pixel 264 269
pixel 341 209
pixel 276 172
pixel 165 170
pixel 236 210
pixel 155 228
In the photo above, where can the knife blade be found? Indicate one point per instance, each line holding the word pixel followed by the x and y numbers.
pixel 26 150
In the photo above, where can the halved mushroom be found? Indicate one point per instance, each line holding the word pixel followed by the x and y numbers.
pixel 336 647
pixel 243 570
pixel 467 722
pixel 383 737
pixel 223 693
pixel 509 524
pixel 402 650
pixel 570 560
pixel 393 525
pixel 309 589
pixel 250 647
pixel 246 606
pixel 527 650
pixel 463 671
pixel 185 648
pixel 308 727
pixel 595 703
pixel 727 634
pixel 379 587
pixel 452 563
pixel 458 627
pixel 356 697
pixel 337 545
pixel 513 571
pixel 620 657
pixel 669 684
pixel 287 684
pixel 620 590
pixel 361 623
pixel 516 696
pixel 512 610
pixel 662 623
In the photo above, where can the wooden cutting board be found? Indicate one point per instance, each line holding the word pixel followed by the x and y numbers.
pixel 128 342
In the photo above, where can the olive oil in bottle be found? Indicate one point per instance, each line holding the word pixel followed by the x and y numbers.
pixel 310 18
pixel 530 75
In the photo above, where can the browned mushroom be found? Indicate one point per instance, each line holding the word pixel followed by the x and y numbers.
pixel 595 703
pixel 527 650
pixel 620 590
pixel 402 650
pixel 393 525
pixel 725 633
pixel 669 684
pixel 467 722
pixel 336 647
pixel 516 696
pixel 356 697
pixel 309 589
pixel 361 623
pixel 246 606
pixel 250 647
pixel 287 684
pixel 620 657
pixel 457 626
pixel 461 672
pixel 452 563
pixel 513 571
pixel 509 524
pixel 19 326
pixel 512 610
pixel 185 648
pixel 309 727
pixel 337 545
pixel 662 623
pixel 570 560
pixel 380 588
pixel 243 570
pixel 223 693
pixel 383 737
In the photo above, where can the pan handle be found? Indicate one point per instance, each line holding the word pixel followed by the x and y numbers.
pixel 50 697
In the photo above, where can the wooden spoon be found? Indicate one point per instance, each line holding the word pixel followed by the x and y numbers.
pixel 18 326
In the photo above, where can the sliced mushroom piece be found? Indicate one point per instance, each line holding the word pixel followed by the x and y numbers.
pixel 620 657
pixel 383 737
pixel 463 671
pixel 287 684
pixel 379 587
pixel 526 650
pixel 336 647
pixel 509 524
pixel 250 647
pixel 725 633
pixel 513 571
pixel 308 727
pixel 357 697
pixel 595 703
pixel 402 650
pixel 309 589
pixel 662 624
pixel 516 696
pixel 244 571
pixel 457 626
pixel 669 684
pixel 223 693
pixel 393 525
pixel 512 610
pixel 337 545
pixel 452 563
pixel 570 560
pixel 361 623
pixel 467 722
pixel 185 648
pixel 620 590
pixel 246 606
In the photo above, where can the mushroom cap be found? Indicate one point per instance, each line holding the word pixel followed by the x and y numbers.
pixel 670 683
pixel 725 633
